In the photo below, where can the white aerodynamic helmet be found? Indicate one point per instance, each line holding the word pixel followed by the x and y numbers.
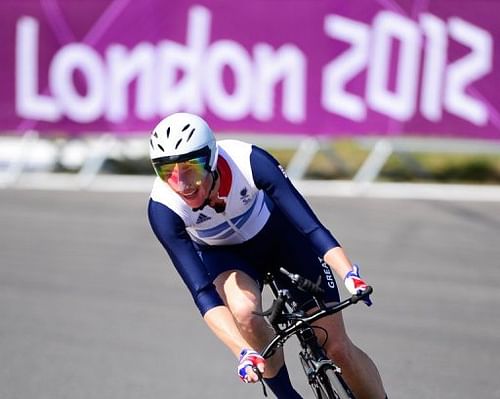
pixel 180 137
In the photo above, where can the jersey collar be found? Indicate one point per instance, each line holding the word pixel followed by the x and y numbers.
pixel 226 176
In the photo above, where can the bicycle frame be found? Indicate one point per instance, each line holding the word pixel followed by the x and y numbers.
pixel 297 322
pixel 305 321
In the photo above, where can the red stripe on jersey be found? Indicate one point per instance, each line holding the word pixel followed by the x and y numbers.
pixel 226 177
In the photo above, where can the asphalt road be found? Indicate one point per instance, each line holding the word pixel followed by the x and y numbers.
pixel 91 308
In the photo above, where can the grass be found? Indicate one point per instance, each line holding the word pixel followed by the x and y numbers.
pixel 416 167
pixel 348 156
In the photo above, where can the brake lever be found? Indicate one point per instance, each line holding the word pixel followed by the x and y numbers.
pixel 264 313
pixel 269 311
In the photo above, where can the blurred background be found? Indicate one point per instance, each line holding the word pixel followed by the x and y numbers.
pixel 391 91
pixel 386 115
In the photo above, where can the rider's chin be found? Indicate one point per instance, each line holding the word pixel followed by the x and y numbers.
pixel 192 199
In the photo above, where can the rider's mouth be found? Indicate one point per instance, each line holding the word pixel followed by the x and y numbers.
pixel 190 195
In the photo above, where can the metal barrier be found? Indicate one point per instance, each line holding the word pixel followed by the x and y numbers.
pixel 101 147
pixel 382 148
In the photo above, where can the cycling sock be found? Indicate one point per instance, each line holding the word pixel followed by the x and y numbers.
pixel 281 386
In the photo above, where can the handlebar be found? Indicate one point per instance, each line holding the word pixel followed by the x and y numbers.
pixel 302 320
pixel 362 295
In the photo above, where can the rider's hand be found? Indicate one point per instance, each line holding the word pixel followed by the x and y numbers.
pixel 355 284
pixel 248 360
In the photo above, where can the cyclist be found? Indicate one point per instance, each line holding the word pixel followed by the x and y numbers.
pixel 226 213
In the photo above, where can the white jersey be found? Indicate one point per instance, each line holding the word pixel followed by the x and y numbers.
pixel 246 211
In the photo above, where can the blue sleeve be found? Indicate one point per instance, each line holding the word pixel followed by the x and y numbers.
pixel 270 176
pixel 171 232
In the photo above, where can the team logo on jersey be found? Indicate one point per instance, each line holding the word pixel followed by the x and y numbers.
pixel 328 273
pixel 202 218
pixel 244 196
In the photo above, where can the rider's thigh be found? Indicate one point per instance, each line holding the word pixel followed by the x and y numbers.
pixel 240 292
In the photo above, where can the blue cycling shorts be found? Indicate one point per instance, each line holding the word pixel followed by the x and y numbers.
pixel 277 245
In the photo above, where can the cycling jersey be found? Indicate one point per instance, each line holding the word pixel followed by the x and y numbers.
pixel 255 187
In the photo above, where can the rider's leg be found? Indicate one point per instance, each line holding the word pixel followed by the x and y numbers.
pixel 242 295
pixel 358 369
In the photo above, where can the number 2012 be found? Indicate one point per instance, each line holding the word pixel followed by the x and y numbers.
pixel 422 46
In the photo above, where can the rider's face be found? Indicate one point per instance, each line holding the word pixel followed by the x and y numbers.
pixel 190 183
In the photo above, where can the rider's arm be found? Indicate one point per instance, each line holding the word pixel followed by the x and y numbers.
pixel 171 232
pixel 337 259
pixel 222 324
pixel 270 176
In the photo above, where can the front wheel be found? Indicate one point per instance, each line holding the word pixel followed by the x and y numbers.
pixel 331 385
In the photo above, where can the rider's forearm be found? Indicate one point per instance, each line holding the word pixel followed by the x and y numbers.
pixel 222 324
pixel 337 259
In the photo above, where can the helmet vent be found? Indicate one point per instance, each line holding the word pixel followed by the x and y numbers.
pixel 161 148
pixel 190 134
pixel 168 132
pixel 178 143
pixel 186 127
pixel 151 143
pixel 155 134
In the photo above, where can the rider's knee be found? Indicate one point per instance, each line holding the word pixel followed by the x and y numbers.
pixel 243 312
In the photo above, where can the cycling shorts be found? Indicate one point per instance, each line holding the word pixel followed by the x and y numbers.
pixel 277 245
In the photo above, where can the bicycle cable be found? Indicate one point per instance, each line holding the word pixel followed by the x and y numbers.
pixel 261 380
pixel 325 332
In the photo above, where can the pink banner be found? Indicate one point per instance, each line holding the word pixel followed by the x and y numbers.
pixel 333 67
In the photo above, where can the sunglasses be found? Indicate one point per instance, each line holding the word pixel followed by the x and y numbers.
pixel 196 169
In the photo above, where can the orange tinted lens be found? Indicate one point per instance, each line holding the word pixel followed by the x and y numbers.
pixel 197 165
pixel 187 175
pixel 165 171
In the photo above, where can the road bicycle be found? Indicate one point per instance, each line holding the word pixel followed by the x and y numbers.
pixel 288 320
